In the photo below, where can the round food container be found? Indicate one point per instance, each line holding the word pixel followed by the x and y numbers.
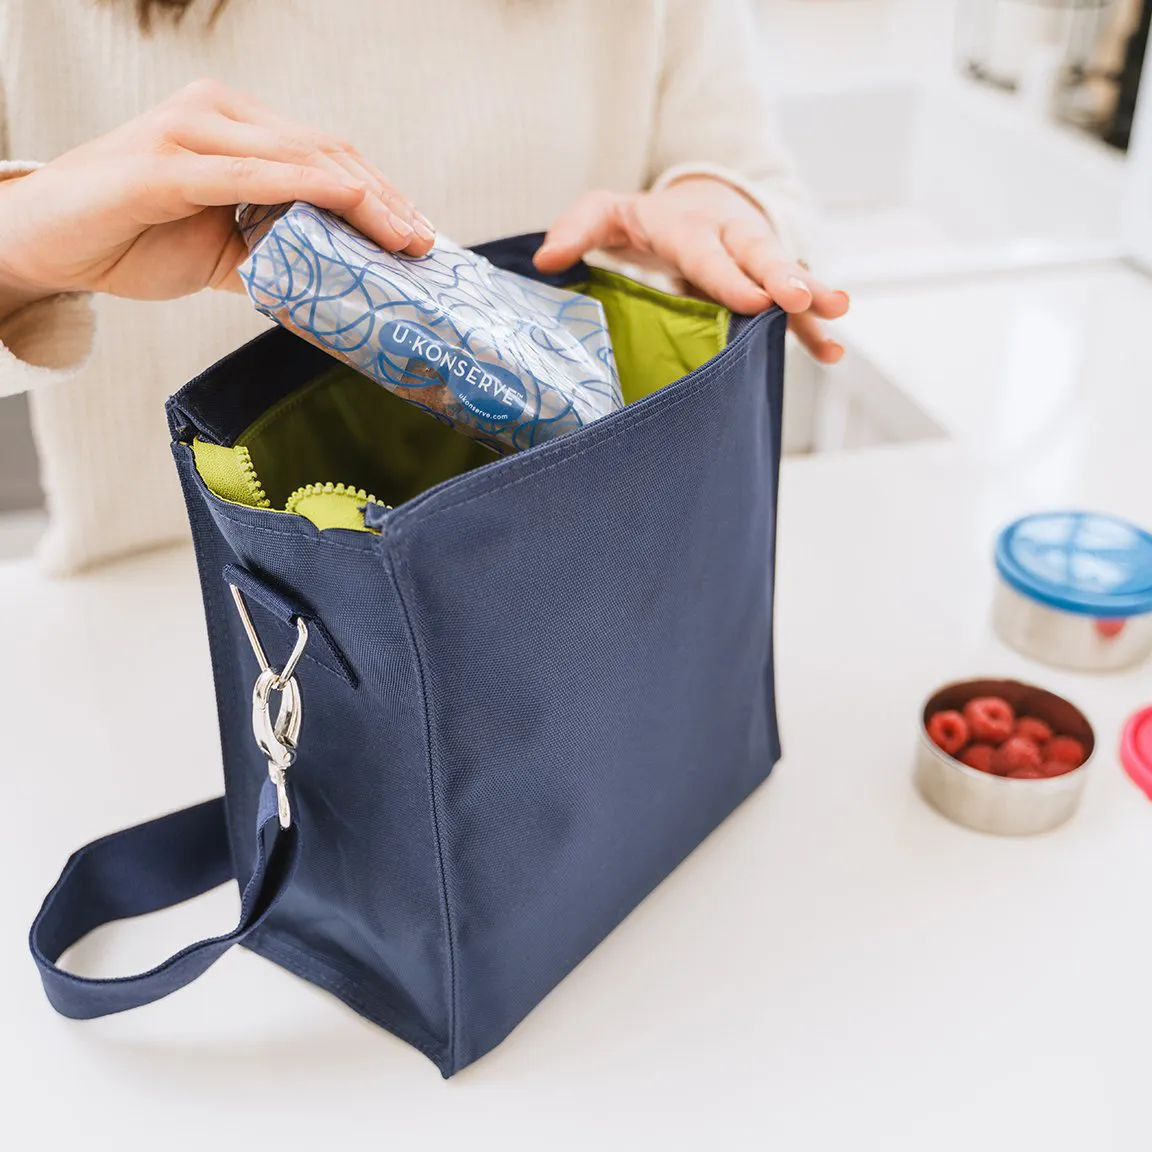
pixel 1001 804
pixel 1075 590
pixel 1136 750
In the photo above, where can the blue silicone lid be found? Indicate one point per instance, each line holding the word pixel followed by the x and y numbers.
pixel 1080 562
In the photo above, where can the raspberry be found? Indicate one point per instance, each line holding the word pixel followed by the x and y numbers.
pixel 1109 629
pixel 1067 749
pixel 949 731
pixel 1027 774
pixel 1014 755
pixel 1052 768
pixel 978 756
pixel 990 719
pixel 1032 729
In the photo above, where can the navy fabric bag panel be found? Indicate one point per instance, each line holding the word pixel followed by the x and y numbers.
pixel 363 916
pixel 543 683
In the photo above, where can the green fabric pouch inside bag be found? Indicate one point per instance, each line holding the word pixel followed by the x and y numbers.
pixel 342 441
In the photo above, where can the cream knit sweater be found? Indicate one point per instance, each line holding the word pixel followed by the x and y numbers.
pixel 492 115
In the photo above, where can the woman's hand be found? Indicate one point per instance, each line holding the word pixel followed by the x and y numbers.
pixel 714 238
pixel 147 211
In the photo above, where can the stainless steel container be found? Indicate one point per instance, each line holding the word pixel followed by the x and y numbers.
pixel 1075 590
pixel 1069 639
pixel 998 804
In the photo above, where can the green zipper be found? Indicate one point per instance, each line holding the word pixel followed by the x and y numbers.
pixel 250 478
pixel 332 505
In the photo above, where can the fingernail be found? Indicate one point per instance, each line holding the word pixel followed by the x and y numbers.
pixel 836 349
pixel 799 285
pixel 845 297
pixel 423 227
pixel 399 225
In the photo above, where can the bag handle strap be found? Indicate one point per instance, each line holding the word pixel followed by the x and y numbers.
pixel 170 860
pixel 144 869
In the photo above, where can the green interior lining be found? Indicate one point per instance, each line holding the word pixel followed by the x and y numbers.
pixel 344 427
pixel 656 338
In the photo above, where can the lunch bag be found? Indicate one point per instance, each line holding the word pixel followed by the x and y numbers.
pixel 472 708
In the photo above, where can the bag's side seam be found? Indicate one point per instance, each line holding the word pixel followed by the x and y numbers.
pixel 391 559
pixel 527 474
pixel 185 470
pixel 775 403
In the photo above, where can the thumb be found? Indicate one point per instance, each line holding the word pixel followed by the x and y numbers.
pixel 231 283
pixel 593 221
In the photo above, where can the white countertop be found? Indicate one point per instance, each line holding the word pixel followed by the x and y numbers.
pixel 836 968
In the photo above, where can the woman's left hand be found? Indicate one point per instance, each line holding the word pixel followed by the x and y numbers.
pixel 714 238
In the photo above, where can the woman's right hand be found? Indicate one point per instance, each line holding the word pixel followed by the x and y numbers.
pixel 148 210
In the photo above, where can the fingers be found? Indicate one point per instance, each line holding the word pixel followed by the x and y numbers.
pixel 827 303
pixel 810 332
pixel 755 251
pixel 699 257
pixel 737 262
pixel 595 221
pixel 206 181
pixel 231 282
pixel 227 123
pixel 790 285
pixel 693 249
pixel 705 263
pixel 690 245
pixel 226 276
pixel 398 213
pixel 385 206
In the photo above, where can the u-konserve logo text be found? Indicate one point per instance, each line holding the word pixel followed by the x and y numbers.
pixel 491 392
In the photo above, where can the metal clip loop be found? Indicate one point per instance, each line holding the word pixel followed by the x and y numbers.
pixel 276 739
pixel 289 669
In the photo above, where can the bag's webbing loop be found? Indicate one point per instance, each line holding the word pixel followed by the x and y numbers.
pixel 143 869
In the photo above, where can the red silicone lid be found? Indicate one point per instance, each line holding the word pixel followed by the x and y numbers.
pixel 1136 749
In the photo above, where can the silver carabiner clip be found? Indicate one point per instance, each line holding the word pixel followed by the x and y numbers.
pixel 276 739
pixel 289 669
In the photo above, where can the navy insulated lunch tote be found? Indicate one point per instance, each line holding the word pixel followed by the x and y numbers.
pixel 472 709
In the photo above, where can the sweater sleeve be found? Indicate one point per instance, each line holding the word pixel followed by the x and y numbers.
pixel 715 114
pixel 47 340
